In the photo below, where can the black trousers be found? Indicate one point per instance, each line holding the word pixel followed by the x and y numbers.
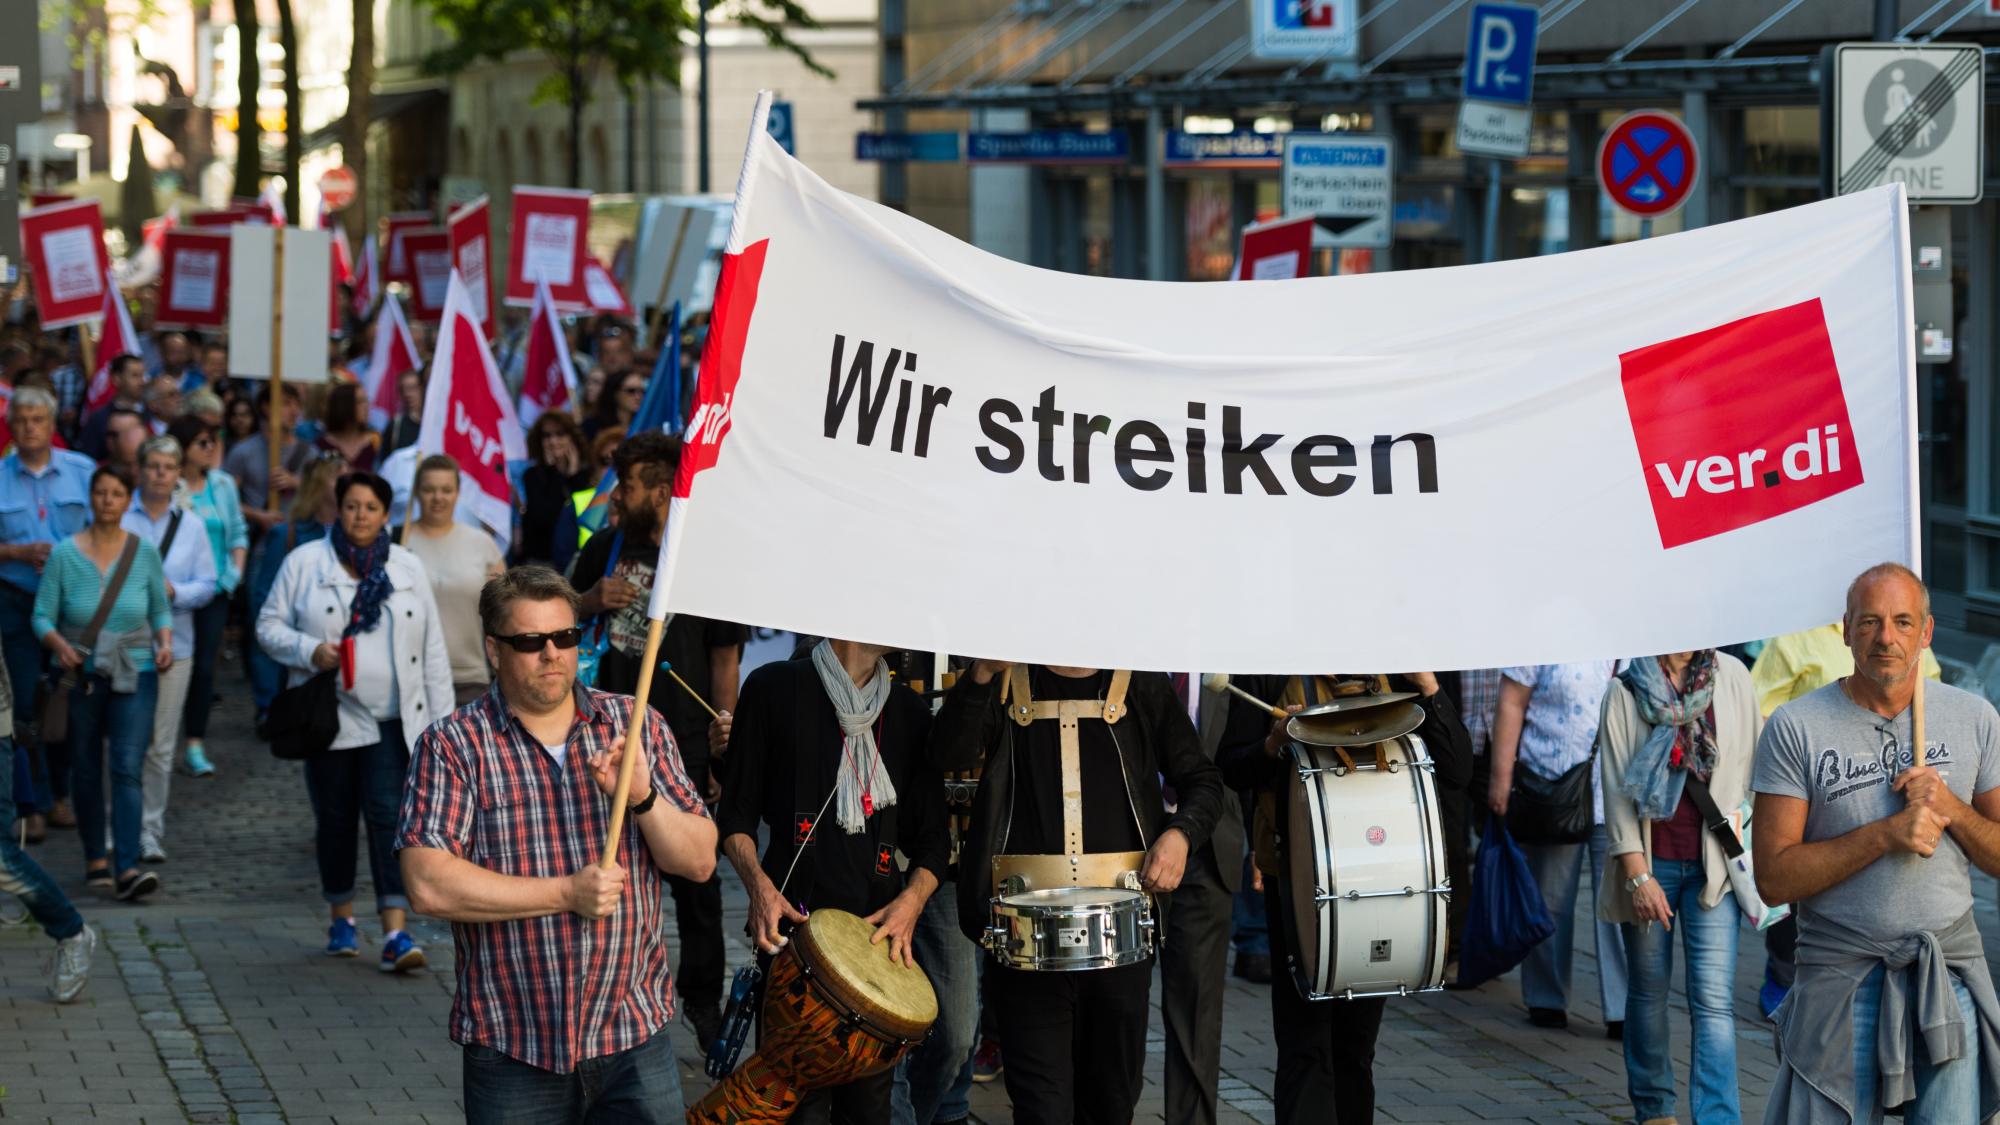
pixel 1326 1048
pixel 1074 1043
pixel 1459 812
pixel 1194 966
pixel 698 916
pixel 864 1101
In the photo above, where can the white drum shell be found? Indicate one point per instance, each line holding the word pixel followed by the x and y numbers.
pixel 1368 880
pixel 1066 929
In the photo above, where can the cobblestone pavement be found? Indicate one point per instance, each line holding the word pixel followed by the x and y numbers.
pixel 211 1002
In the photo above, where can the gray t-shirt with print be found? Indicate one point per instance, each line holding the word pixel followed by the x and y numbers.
pixel 1839 758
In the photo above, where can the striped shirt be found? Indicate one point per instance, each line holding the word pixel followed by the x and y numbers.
pixel 72 585
pixel 485 790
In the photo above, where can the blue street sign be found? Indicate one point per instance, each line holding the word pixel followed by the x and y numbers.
pixel 1500 54
pixel 1224 150
pixel 780 125
pixel 1049 146
pixel 915 148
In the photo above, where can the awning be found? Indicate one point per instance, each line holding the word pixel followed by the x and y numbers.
pixel 381 107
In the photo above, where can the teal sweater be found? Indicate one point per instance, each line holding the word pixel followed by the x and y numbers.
pixel 71 585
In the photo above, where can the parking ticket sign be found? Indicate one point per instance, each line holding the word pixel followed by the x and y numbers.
pixel 1346 183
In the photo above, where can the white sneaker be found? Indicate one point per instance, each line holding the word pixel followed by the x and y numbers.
pixel 71 967
pixel 150 850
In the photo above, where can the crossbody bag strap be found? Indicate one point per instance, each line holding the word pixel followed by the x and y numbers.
pixel 112 587
pixel 1712 818
pixel 167 540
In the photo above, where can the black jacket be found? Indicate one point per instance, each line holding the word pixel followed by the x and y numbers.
pixel 1155 739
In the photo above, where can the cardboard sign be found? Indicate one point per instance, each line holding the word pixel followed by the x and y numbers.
pixel 545 246
pixel 194 280
pixel 605 295
pixel 308 273
pixel 398 225
pixel 1275 251
pixel 673 243
pixel 64 246
pixel 471 231
pixel 429 252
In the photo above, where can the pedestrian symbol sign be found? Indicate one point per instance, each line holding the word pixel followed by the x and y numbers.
pixel 1647 163
pixel 1909 115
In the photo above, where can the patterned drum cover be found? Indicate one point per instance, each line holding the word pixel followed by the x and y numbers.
pixel 836 1008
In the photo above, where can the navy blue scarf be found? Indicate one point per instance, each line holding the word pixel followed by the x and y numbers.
pixel 370 565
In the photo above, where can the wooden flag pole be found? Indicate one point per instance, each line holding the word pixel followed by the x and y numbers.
pixel 634 731
pixel 1917 717
pixel 89 352
pixel 276 437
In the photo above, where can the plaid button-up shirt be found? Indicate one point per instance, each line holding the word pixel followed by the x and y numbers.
pixel 559 989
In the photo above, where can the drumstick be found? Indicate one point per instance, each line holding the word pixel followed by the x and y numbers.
pixel 1219 682
pixel 667 666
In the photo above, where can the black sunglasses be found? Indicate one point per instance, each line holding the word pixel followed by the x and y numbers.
pixel 531 643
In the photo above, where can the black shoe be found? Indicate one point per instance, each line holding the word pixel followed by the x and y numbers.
pixel 1254 967
pixel 1554 1018
pixel 1614 1030
pixel 134 887
pixel 707 1022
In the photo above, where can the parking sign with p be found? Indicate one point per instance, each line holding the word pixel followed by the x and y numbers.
pixel 1500 54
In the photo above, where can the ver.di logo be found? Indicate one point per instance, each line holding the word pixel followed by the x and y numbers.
pixel 1740 423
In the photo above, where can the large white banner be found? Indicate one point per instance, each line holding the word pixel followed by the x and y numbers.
pixel 1636 449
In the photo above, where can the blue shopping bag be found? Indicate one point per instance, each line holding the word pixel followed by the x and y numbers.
pixel 1506 916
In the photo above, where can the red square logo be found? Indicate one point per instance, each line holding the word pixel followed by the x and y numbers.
pixel 1740 423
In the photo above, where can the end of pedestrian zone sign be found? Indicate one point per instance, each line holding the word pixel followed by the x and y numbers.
pixel 1908 114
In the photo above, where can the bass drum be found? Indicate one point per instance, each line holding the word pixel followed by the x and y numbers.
pixel 1367 878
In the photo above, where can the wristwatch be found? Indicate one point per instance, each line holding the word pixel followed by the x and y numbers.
pixel 1633 884
pixel 646 806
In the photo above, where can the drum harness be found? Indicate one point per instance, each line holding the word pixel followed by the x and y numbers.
pixel 1078 868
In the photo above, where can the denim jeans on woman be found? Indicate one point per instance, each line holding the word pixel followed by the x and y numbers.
pixel 1945 1094
pixel 104 724
pixel 1558 868
pixel 20 875
pixel 1708 942
pixel 348 786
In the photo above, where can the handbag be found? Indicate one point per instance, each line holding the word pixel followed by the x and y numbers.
pixel 1506 916
pixel 305 718
pixel 53 719
pixel 1559 810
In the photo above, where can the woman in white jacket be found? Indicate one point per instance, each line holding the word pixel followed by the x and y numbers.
pixel 358 606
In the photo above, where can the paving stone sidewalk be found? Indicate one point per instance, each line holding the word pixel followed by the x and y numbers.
pixel 212 1003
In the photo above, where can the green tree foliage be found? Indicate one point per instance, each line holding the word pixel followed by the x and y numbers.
pixel 634 41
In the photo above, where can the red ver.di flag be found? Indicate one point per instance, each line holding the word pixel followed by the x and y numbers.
pixel 64 245
pixel 117 338
pixel 395 352
pixel 194 280
pixel 467 414
pixel 471 231
pixel 429 252
pixel 548 381
pixel 546 246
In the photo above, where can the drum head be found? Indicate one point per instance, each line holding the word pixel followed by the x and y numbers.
pixel 1320 727
pixel 897 998
pixel 1064 898
pixel 1303 866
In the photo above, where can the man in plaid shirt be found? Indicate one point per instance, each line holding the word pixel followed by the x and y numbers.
pixel 563 990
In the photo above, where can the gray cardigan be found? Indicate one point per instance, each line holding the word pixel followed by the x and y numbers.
pixel 1620 733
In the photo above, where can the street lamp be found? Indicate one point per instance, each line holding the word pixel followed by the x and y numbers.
pixel 78 143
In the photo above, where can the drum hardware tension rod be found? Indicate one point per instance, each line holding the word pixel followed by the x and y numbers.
pixel 1406 892
pixel 1218 682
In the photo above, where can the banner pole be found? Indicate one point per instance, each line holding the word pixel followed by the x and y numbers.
pixel 634 735
pixel 1917 717
pixel 89 352
pixel 276 437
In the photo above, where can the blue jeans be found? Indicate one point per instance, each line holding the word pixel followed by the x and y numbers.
pixel 23 654
pixel 1708 941
pixel 640 1084
pixel 1946 1093
pixel 1250 932
pixel 208 623
pixel 104 724
pixel 346 786
pixel 927 1075
pixel 1558 868
pixel 20 875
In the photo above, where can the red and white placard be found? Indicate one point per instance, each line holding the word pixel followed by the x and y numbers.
pixel 194 280
pixel 545 246
pixel 605 295
pixel 397 226
pixel 64 246
pixel 471 231
pixel 1275 251
pixel 429 252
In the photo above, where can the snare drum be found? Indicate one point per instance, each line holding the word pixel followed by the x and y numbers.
pixel 1063 929
pixel 836 1008
pixel 1367 883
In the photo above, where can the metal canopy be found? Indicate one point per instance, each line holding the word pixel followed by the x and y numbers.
pixel 1230 77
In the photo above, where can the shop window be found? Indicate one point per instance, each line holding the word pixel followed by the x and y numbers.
pixel 1211 228
pixel 1781 140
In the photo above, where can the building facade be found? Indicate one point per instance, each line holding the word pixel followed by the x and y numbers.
pixel 1744 78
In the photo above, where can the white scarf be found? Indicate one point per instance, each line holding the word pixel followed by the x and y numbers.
pixel 862 774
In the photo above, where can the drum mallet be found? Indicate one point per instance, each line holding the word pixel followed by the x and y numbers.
pixel 1218 682
pixel 667 666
